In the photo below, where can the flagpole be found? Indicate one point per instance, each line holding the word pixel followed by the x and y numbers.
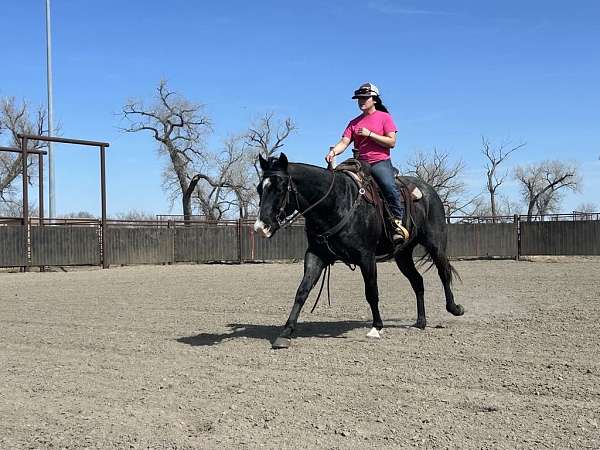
pixel 51 210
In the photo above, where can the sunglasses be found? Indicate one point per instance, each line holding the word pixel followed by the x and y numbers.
pixel 363 93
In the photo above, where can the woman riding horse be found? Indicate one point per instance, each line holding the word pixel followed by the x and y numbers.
pixel 374 135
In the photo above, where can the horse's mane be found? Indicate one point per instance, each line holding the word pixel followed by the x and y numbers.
pixel 312 166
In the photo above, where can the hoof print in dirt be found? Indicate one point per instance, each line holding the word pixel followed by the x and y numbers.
pixel 280 343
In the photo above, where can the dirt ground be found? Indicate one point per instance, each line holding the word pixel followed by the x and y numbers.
pixel 179 357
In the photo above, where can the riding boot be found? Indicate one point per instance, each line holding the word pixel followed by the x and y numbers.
pixel 399 233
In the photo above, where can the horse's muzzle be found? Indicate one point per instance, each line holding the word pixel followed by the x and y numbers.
pixel 259 225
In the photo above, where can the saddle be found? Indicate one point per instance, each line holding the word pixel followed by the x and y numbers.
pixel 360 172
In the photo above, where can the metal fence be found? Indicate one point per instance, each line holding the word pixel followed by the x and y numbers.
pixel 86 242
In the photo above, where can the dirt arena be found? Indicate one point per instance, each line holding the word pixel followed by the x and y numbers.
pixel 179 357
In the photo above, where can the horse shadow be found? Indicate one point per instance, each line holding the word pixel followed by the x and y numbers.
pixel 334 329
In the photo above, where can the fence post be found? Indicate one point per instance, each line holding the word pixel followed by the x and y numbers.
pixel 517 222
pixel 239 240
pixel 25 207
pixel 105 264
pixel 171 232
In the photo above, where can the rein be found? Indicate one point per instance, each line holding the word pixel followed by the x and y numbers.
pixel 337 227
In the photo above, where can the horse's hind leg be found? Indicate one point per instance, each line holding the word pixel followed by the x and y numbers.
pixel 368 269
pixel 444 269
pixel 313 267
pixel 405 263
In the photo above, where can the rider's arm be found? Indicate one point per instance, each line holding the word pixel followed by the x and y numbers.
pixel 388 140
pixel 338 148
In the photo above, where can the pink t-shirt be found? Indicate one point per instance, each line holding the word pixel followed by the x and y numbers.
pixel 379 123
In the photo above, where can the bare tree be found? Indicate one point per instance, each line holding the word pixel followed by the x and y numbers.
pixel 506 208
pixel 217 192
pixel 241 176
pixel 587 208
pixel 587 211
pixel 13 207
pixel 549 202
pixel 17 118
pixel 215 183
pixel 179 127
pixel 496 155
pixel 135 215
pixel 445 177
pixel 78 215
pixel 267 135
pixel 542 184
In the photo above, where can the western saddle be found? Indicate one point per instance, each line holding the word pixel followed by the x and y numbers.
pixel 360 172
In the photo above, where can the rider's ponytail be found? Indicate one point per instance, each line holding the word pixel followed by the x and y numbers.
pixel 378 105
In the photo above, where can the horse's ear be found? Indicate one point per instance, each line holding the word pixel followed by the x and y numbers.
pixel 263 162
pixel 283 161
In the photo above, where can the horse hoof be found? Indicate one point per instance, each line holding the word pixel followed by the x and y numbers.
pixel 456 310
pixel 281 342
pixel 374 333
pixel 420 324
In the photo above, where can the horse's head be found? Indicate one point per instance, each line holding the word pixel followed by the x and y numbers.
pixel 275 190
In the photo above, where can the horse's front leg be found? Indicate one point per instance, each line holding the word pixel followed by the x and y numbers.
pixel 369 273
pixel 313 267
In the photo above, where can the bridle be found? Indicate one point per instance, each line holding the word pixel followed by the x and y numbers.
pixel 282 219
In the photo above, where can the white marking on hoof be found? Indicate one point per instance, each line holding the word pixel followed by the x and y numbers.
pixel 374 333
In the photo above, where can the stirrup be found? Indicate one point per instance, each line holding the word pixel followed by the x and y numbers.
pixel 400 234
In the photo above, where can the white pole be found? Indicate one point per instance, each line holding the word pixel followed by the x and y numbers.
pixel 51 211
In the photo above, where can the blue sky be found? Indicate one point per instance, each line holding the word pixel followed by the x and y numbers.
pixel 448 71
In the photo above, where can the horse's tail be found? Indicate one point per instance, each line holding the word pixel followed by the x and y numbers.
pixel 426 259
pixel 430 209
pixel 441 261
pixel 454 273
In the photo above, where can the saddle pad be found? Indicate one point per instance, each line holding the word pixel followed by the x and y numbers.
pixel 415 192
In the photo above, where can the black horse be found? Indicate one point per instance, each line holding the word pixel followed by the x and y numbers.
pixel 342 226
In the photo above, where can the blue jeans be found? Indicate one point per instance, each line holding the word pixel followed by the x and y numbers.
pixel 383 173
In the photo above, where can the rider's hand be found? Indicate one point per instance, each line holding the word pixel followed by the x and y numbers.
pixel 330 156
pixel 364 131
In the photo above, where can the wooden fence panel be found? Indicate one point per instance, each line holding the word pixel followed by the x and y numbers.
pixel 287 244
pixel 203 243
pixel 560 238
pixel 139 245
pixel 187 240
pixel 12 246
pixel 483 239
pixel 65 245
